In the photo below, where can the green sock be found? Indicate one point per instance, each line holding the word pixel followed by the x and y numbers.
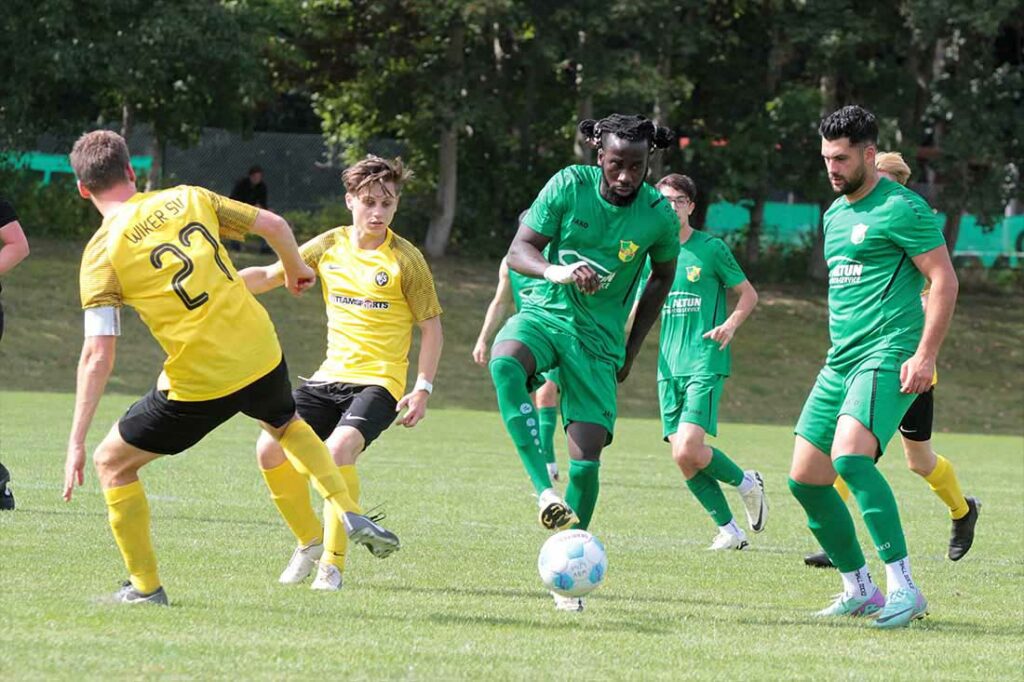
pixel 723 469
pixel 709 494
pixel 520 418
pixel 581 494
pixel 830 521
pixel 548 418
pixel 877 505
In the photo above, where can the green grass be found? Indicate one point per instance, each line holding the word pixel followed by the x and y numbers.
pixel 462 599
pixel 776 354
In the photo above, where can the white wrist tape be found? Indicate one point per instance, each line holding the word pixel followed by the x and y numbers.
pixel 562 274
pixel 423 385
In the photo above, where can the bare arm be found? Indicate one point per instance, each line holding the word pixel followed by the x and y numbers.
pixel 15 246
pixel 262 278
pixel 495 314
pixel 917 372
pixel 525 256
pixel 647 310
pixel 724 332
pixel 431 343
pixel 94 368
pixel 275 230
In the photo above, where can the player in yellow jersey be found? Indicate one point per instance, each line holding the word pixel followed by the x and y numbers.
pixel 161 253
pixel 376 288
pixel 916 433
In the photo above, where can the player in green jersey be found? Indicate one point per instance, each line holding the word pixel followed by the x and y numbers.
pixel 600 223
pixel 693 361
pixel 881 242
pixel 916 433
pixel 514 288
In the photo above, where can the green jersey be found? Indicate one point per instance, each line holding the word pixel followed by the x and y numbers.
pixel 874 305
pixel 613 240
pixel 695 305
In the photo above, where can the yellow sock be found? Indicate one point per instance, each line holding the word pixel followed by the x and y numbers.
pixel 842 489
pixel 944 483
pixel 290 492
pixel 128 513
pixel 309 455
pixel 335 538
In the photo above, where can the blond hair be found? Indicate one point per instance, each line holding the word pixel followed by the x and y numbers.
pixel 374 169
pixel 893 164
pixel 100 160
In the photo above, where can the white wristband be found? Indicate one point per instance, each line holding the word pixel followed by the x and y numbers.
pixel 423 385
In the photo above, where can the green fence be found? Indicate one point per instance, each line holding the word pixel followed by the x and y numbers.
pixel 48 164
pixel 792 225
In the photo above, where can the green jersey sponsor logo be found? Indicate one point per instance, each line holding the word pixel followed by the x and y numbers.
pixel 844 272
pixel 681 303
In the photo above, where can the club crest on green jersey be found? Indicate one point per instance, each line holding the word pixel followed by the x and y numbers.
pixel 860 231
pixel 693 273
pixel 627 250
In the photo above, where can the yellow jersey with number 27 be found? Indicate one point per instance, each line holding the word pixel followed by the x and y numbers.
pixel 161 253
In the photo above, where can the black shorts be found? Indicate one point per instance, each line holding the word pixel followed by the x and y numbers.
pixel 367 409
pixel 167 427
pixel 917 422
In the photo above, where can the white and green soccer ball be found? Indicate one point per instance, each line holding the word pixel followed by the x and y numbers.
pixel 572 563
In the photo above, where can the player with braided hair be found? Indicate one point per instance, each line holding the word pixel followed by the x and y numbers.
pixel 600 224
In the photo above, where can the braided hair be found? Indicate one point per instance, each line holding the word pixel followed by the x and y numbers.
pixel 632 128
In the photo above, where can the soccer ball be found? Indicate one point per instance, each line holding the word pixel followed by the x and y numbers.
pixel 572 563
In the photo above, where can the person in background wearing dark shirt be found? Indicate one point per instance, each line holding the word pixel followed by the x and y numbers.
pixel 251 189
pixel 13 249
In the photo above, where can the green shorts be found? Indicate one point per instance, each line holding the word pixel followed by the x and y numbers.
pixel 871 395
pixel 587 384
pixel 691 400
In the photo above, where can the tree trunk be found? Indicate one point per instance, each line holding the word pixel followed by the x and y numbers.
pixel 127 119
pixel 951 230
pixel 440 228
pixel 817 269
pixel 584 109
pixel 156 169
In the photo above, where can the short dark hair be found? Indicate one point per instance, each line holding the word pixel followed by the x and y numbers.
pixel 632 128
pixel 255 168
pixel 853 122
pixel 99 160
pixel 680 183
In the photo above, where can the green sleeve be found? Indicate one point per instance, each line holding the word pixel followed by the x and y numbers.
pixel 546 212
pixel 666 248
pixel 915 227
pixel 727 270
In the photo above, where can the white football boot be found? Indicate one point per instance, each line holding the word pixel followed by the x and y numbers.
pixel 756 503
pixel 302 563
pixel 328 578
pixel 567 603
pixel 555 514
pixel 726 540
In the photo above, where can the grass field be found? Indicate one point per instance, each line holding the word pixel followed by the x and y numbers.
pixel 462 599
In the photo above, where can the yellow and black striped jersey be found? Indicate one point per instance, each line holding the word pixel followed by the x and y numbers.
pixel 374 297
pixel 161 253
